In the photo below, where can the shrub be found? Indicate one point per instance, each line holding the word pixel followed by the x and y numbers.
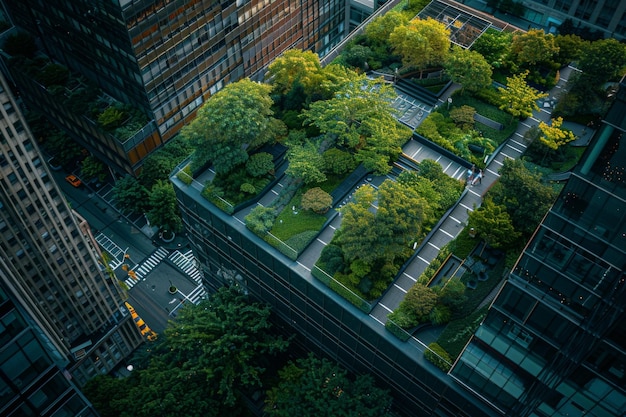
pixel 317 200
pixel 438 356
pixel 332 259
pixel 463 116
pixel 338 162
pixel 259 164
pixel 111 118
pixel 261 219
pixel 185 175
pixel 440 314
pixel 248 188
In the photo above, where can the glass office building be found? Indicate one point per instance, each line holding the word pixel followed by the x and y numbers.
pixel 166 57
pixel 554 341
pixel 33 381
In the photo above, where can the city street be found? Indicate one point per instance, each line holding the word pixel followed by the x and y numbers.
pixel 156 267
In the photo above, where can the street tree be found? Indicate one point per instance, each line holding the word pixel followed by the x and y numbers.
pixel 317 200
pixel 381 27
pixel 164 208
pixel 312 387
pixel 468 68
pixel 92 167
pixel 534 47
pixel 295 65
pixel 421 43
pixel 493 224
pixel 518 98
pixel 526 198
pixel 130 195
pixel 156 167
pixel 418 302
pixel 227 339
pixel 235 120
pixel 603 60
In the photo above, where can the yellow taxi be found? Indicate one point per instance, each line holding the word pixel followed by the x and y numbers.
pixel 141 325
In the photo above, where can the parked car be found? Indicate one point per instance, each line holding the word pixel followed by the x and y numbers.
pixel 74 180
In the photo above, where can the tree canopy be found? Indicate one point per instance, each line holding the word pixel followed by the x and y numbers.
pixel 207 356
pixel 314 387
pixel 468 68
pixel 235 119
pixel 523 194
pixel 518 98
pixel 602 61
pixel 493 223
pixel 534 46
pixel 130 195
pixel 553 136
pixel 295 65
pixel 421 43
pixel 380 28
pixel 164 207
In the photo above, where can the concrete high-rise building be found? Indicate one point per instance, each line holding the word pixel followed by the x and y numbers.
pixel 554 340
pixel 33 381
pixel 48 261
pixel 166 57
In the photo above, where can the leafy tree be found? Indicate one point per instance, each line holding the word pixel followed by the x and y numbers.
pixel 156 167
pixel 358 235
pixel 416 306
pixel 468 68
pixel 451 293
pixel 108 395
pixel 421 43
pixel 237 118
pixel 518 98
pixel 92 167
pixel 331 259
pixel 570 48
pixel 602 61
pixel 534 46
pixel 553 137
pixel 163 207
pixel 357 56
pixel 130 195
pixel 295 65
pixel 60 145
pixel 225 339
pixel 317 200
pixel 313 387
pixel 493 224
pixel 337 161
pixel 463 116
pixel 305 162
pixel 380 28
pixel 260 164
pixel 401 214
pixel 523 194
pixel 360 117
pixel 495 46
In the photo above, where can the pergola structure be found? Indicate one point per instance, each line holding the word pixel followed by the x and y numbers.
pixel 464 26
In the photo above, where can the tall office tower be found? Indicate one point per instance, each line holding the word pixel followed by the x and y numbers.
pixel 32 378
pixel 605 16
pixel 554 340
pixel 166 57
pixel 48 262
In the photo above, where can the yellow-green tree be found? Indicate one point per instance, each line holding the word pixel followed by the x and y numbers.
pixel 421 43
pixel 468 68
pixel 379 29
pixel 534 46
pixel 295 65
pixel 553 136
pixel 518 98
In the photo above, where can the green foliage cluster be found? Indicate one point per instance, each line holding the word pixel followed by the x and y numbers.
pixel 312 387
pixel 317 200
pixel 92 167
pixel 53 74
pixel 185 175
pixel 211 354
pixel 437 355
pixel 111 118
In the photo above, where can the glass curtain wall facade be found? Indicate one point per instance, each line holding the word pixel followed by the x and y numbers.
pixel 32 378
pixel 50 264
pixel 168 56
pixel 554 340
pixel 608 16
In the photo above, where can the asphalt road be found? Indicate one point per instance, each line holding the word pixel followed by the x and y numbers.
pixel 149 297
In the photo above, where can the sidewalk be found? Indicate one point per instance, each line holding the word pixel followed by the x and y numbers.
pixel 450 227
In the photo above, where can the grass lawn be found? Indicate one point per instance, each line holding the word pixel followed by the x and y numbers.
pixel 290 223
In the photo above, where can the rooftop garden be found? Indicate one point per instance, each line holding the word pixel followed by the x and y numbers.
pixel 81 97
